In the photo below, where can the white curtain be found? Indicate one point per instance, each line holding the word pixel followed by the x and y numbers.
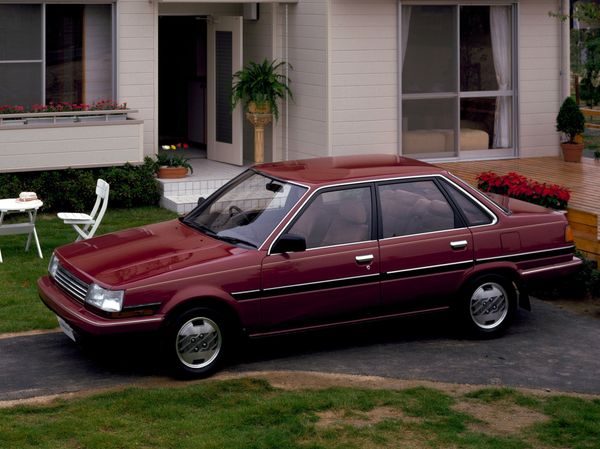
pixel 406 11
pixel 501 49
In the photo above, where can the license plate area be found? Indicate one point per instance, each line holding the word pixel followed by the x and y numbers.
pixel 68 330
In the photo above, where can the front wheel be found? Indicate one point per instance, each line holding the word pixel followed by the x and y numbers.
pixel 488 306
pixel 196 342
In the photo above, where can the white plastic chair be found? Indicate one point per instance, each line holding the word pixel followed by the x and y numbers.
pixel 85 225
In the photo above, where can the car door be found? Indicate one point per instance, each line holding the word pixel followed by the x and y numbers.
pixel 337 277
pixel 425 247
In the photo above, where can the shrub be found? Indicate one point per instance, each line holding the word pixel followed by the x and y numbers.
pixel 519 187
pixel 75 189
pixel 585 282
pixel 570 119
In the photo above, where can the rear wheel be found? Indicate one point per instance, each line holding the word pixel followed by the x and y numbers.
pixel 488 306
pixel 196 342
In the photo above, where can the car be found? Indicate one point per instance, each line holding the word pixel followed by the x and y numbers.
pixel 310 244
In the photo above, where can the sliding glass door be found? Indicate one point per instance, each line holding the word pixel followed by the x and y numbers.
pixel 457 81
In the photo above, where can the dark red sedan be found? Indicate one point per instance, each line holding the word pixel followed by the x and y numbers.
pixel 307 244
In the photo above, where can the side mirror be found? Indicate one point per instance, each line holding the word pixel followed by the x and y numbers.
pixel 200 200
pixel 289 243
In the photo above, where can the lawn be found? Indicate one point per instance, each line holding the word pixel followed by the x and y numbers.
pixel 20 306
pixel 251 414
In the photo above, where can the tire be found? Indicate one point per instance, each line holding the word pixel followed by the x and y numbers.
pixel 488 306
pixel 196 342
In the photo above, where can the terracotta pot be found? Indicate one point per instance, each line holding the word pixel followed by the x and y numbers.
pixel 172 172
pixel 572 151
pixel 262 108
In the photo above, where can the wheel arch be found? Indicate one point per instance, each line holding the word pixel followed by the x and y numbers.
pixel 506 271
pixel 209 301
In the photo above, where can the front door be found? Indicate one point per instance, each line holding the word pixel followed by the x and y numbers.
pixel 224 59
pixel 337 278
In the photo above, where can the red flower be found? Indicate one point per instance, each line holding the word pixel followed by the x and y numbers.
pixel 518 186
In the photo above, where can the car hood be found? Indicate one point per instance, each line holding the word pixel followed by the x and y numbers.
pixel 135 254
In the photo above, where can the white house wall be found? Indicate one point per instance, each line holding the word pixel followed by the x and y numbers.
pixel 364 77
pixel 308 51
pixel 137 79
pixel 539 78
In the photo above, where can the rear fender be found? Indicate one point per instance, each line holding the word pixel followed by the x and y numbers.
pixel 510 272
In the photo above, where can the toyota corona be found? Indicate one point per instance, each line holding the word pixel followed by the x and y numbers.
pixel 310 244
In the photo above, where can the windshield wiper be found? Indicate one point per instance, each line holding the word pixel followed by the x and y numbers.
pixel 234 240
pixel 200 227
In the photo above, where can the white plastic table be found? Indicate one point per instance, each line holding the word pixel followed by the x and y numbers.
pixel 13 205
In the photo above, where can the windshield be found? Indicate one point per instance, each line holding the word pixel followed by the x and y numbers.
pixel 247 210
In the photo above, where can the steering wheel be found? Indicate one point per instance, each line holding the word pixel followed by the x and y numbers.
pixel 234 210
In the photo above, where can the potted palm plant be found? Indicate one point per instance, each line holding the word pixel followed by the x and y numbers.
pixel 571 122
pixel 259 87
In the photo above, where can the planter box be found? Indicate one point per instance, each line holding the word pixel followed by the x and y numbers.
pixel 52 118
pixel 26 147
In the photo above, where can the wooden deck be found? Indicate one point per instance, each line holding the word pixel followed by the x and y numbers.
pixel 583 180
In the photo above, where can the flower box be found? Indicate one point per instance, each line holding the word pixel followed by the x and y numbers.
pixel 54 140
pixel 519 187
pixel 172 172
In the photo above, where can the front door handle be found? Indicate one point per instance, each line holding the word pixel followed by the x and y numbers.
pixel 458 244
pixel 364 260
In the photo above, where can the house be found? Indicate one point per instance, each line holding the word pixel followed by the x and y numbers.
pixel 433 80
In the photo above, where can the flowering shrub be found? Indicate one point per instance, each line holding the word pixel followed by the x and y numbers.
pixel 518 186
pixel 101 105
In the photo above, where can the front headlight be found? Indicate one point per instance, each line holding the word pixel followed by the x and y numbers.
pixel 52 266
pixel 107 300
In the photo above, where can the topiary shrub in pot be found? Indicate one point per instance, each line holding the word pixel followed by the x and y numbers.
pixel 571 122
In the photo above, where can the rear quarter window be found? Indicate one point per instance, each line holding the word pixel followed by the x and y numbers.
pixel 473 212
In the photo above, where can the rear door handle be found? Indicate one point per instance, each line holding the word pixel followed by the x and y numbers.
pixel 364 260
pixel 458 244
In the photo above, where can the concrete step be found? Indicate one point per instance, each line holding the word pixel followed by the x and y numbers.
pixel 182 196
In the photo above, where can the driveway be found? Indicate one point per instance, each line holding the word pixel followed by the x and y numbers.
pixel 549 348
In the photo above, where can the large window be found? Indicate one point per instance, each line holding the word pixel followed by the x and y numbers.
pixel 56 53
pixel 457 80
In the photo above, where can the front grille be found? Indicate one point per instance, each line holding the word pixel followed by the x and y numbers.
pixel 70 284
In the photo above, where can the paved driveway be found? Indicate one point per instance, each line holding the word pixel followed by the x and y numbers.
pixel 548 348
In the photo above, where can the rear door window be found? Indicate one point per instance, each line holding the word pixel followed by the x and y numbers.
pixel 414 207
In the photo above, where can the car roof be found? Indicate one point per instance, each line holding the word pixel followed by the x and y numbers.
pixel 333 170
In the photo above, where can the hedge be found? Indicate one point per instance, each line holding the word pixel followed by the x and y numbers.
pixel 75 189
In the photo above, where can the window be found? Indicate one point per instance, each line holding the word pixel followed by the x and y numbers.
pixel 72 61
pixel 336 217
pixel 414 208
pixel 248 210
pixel 457 80
pixel 474 214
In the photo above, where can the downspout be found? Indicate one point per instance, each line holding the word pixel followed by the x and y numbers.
pixel 565 53
pixel 287 70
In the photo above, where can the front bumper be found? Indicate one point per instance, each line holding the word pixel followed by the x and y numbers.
pixel 84 320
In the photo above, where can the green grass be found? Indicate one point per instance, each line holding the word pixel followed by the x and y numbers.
pixel 21 307
pixel 251 414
